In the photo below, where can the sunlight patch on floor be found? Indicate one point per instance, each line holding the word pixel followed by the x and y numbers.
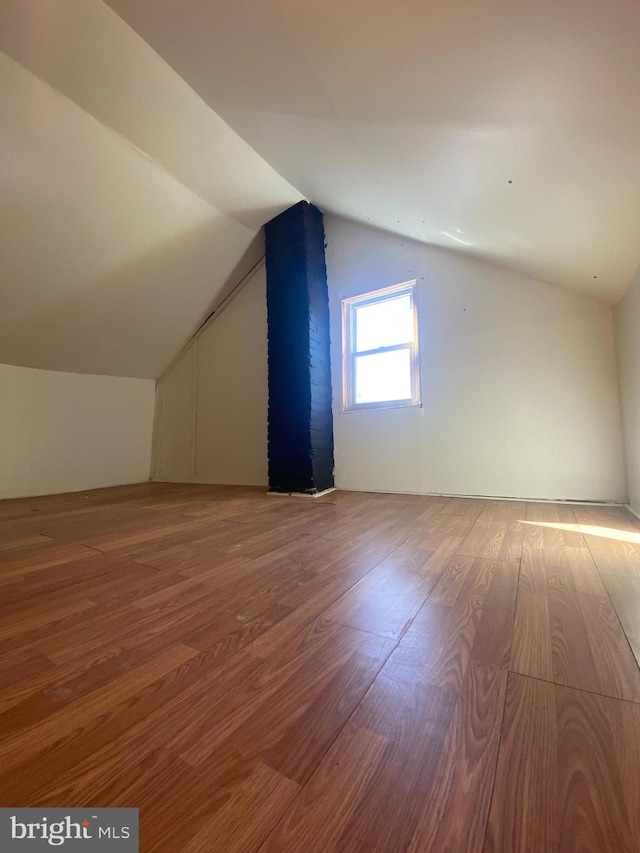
pixel 590 530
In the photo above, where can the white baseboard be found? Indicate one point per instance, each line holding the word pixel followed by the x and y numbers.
pixel 302 494
pixel 160 478
pixel 485 497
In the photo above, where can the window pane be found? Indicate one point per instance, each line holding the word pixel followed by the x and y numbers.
pixel 383 376
pixel 384 324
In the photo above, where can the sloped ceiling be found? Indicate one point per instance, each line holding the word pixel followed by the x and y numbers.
pixel 143 144
pixel 127 204
pixel 509 129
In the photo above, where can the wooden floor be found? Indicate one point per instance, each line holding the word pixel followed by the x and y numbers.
pixel 355 673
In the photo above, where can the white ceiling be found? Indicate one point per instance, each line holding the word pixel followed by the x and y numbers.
pixel 415 116
pixel 507 129
pixel 127 205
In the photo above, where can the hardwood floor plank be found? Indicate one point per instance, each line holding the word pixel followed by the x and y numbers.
pixel 415 733
pixel 492 644
pixel 625 597
pixel 317 819
pixel 458 573
pixel 23 562
pixel 284 688
pixel 625 721
pixel 443 534
pixel 466 769
pixel 468 616
pixel 301 747
pixel 611 518
pixel 568 772
pixel 509 511
pixel 494 540
pixel 130 624
pixel 265 795
pixel 471 507
pixel 593 809
pixel 87 577
pixel 238 627
pixel 58 731
pixel 615 556
pixel 557 513
pixel 144 731
pixel 41 616
pixel 417 737
pixel 14 676
pixel 128 544
pixel 52 676
pixel 531 651
pixel 325 675
pixel 554 537
pixel 523 816
pixel 616 665
pixel 567 570
pixel 25 542
pixel 388 597
pixel 570 637
pixel 551 526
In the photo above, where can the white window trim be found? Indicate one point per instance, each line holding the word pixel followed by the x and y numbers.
pixel 349 355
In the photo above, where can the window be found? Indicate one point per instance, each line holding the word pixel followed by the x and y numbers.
pixel 380 349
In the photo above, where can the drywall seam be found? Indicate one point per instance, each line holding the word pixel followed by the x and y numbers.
pixel 155 439
pixel 194 426
pixel 627 313
pixel 178 462
pixel 212 316
pixel 621 402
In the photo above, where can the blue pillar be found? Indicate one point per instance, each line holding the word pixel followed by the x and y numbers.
pixel 300 416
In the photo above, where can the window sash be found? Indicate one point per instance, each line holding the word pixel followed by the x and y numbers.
pixel 350 354
pixel 356 305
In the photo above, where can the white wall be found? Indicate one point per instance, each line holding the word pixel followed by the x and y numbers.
pixel 627 320
pixel 63 432
pixel 211 411
pixel 519 384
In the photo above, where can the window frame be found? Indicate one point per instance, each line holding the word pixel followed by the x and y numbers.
pixel 349 354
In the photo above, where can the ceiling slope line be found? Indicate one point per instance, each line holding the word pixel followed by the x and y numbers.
pixel 116 134
pixel 209 108
pixel 144 154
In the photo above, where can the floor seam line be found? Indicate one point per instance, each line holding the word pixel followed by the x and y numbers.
pixel 571 687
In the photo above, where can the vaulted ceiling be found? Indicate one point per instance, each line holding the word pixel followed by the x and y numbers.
pixel 127 204
pixel 143 143
pixel 417 115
